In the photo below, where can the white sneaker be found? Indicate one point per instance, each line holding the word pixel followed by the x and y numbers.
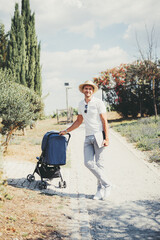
pixel 107 192
pixel 99 195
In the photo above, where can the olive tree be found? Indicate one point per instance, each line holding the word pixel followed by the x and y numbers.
pixel 18 105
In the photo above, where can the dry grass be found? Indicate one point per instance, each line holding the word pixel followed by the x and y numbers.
pixel 27 214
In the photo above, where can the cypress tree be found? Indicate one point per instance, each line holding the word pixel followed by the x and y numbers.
pixel 23 56
pixel 3 46
pixel 38 80
pixel 16 48
pixel 33 71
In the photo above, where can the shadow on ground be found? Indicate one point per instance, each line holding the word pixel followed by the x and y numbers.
pixel 34 186
pixel 133 220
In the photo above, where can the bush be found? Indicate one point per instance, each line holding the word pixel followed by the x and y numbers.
pixel 155 157
pixel 18 105
pixel 145 133
pixel 147 144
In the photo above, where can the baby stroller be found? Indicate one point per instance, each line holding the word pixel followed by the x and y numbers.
pixel 53 155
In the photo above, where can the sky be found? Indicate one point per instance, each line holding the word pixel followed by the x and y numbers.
pixel 81 38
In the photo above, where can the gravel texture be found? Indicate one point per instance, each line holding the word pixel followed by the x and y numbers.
pixel 132 211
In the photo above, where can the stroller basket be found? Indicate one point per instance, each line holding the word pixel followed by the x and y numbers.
pixel 54 147
pixel 49 172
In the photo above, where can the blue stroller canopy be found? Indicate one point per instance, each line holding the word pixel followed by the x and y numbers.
pixel 54 148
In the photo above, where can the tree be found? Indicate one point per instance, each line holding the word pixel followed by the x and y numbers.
pixel 129 87
pixel 16 56
pixel 23 56
pixel 135 88
pixel 150 75
pixel 18 105
pixel 33 69
pixel 150 58
pixel 3 46
pixel 38 78
pixel 119 88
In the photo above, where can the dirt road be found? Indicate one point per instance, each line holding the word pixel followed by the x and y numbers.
pixel 133 208
pixel 132 211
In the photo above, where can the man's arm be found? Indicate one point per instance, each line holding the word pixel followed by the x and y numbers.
pixel 103 117
pixel 75 125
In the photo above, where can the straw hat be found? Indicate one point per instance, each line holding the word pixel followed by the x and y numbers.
pixel 81 86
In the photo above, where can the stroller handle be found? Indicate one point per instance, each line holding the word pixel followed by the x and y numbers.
pixel 69 135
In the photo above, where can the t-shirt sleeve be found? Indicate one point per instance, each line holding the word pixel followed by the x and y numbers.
pixel 101 107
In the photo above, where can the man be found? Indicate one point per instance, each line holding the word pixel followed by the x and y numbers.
pixel 92 110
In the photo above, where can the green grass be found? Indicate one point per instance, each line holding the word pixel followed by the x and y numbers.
pixel 145 132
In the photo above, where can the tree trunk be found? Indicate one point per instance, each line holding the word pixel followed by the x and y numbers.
pixel 8 138
pixel 154 100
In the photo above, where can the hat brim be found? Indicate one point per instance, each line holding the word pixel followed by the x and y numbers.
pixel 95 88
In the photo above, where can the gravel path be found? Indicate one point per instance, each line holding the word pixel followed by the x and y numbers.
pixel 132 211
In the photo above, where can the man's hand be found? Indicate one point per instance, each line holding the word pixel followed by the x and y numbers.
pixel 74 125
pixel 63 132
pixel 105 142
pixel 103 117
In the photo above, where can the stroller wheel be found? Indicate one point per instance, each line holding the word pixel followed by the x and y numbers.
pixel 64 184
pixel 30 177
pixel 42 185
pixel 60 185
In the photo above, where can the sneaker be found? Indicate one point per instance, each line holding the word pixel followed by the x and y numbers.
pixel 107 192
pixel 99 195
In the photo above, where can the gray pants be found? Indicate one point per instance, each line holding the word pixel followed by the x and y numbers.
pixel 94 161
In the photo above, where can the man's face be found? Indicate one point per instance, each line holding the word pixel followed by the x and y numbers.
pixel 88 91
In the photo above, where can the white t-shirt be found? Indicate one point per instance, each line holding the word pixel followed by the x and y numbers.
pixel 92 118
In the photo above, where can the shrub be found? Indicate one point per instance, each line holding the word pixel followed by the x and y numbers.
pixel 145 133
pixel 147 144
pixel 155 157
pixel 18 105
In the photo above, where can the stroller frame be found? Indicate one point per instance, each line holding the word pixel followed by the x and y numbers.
pixel 47 171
